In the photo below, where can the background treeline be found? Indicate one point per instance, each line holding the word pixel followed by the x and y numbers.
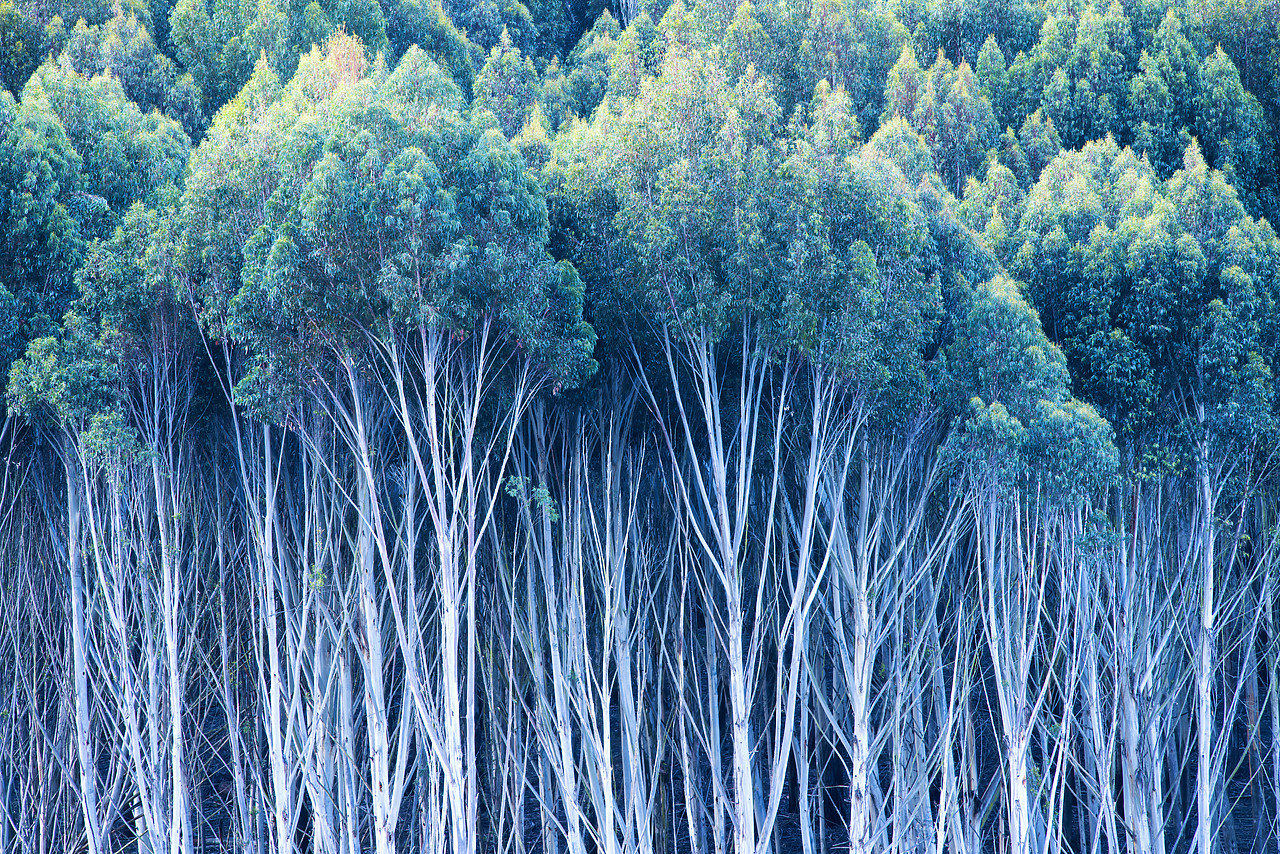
pixel 631 428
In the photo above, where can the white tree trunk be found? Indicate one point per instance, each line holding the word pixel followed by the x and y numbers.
pixel 1206 778
pixel 84 712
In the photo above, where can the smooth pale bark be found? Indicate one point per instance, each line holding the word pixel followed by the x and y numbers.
pixel 230 701
pixel 268 615
pixel 1019 556
pixel 240 648
pixel 370 537
pixel 1206 778
pixel 858 650
pixel 717 494
pixel 1273 700
pixel 715 498
pixel 438 388
pixel 1141 755
pixel 374 664
pixel 166 514
pixel 577 559
pixel 87 762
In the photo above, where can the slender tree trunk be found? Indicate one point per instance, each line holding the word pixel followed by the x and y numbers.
pixel 1206 778
pixel 79 644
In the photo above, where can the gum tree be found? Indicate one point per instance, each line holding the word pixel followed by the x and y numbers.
pixel 395 285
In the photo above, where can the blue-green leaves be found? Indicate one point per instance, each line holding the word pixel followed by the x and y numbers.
pixel 386 207
pixel 1159 291
pixel 1022 426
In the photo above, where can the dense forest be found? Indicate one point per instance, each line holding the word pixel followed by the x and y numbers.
pixel 639 426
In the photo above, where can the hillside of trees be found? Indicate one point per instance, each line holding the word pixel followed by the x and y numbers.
pixel 639 426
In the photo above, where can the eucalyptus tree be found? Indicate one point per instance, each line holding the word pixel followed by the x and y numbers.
pixel 692 151
pixel 76 153
pixel 507 85
pixel 23 41
pixel 865 327
pixel 851 45
pixel 396 287
pixel 126 155
pixel 581 580
pixel 1163 95
pixel 39 809
pixel 802 270
pixel 1077 70
pixel 321 534
pixel 1026 444
pixel 1233 130
pixel 117 385
pixel 63 122
pixel 1160 294
pixel 124 47
pixel 947 106
pixel 586 67
pixel 208 40
pixel 42 243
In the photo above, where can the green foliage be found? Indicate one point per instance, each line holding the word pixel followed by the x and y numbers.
pixel 993 77
pixel 540 27
pixel 1039 140
pixel 218 41
pixel 65 379
pixel 21 47
pixel 747 44
pixel 1247 31
pixel 126 156
pixel 705 174
pixel 387 206
pixel 424 23
pixel 961 29
pixel 899 142
pixel 544 28
pixel 688 163
pixel 519 487
pixel 1162 96
pixel 128 289
pixel 1001 355
pixel 992 208
pixel 208 40
pixel 35 385
pixel 128 325
pixel 110 443
pixel 1077 72
pixel 1231 126
pixel 635 58
pixel 588 66
pixel 852 45
pixel 285 30
pixel 1022 426
pixel 812 245
pixel 507 85
pixel 850 291
pixel 947 107
pixel 123 47
pixel 1138 278
pixel 41 242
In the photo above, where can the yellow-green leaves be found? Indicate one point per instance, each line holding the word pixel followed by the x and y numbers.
pixel 948 108
pixel 686 166
pixel 126 155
